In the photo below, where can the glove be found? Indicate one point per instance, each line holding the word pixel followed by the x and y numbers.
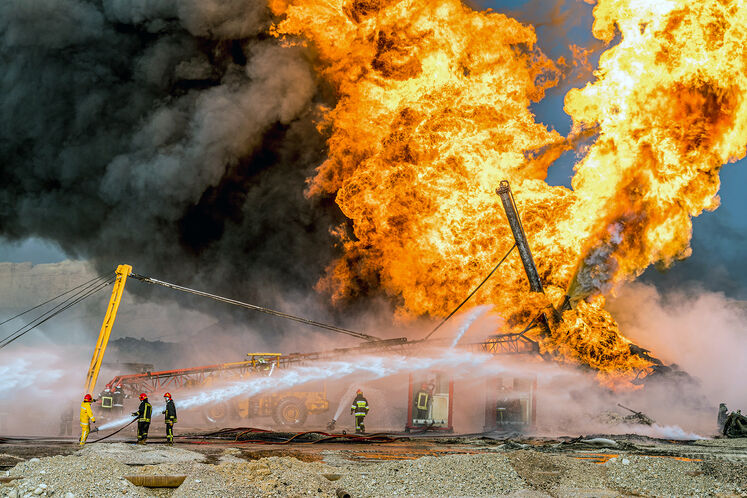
pixel 163 412
pixel 135 414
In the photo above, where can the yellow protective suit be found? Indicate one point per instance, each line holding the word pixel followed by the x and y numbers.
pixel 86 417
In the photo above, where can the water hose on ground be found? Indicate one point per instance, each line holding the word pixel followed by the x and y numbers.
pixel 262 436
pixel 115 432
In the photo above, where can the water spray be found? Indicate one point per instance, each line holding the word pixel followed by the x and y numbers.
pixel 473 315
pixel 370 367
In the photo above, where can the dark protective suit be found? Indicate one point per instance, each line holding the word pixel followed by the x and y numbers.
pixel 422 403
pixel 170 413
pixel 117 401
pixel 359 409
pixel 143 414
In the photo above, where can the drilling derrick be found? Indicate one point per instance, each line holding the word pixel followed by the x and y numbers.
pixel 504 191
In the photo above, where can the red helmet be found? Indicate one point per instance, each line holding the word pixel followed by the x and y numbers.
pixel 143 396
pixel 88 398
pixel 358 392
pixel 167 395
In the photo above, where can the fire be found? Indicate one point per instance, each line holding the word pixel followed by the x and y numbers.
pixel 433 111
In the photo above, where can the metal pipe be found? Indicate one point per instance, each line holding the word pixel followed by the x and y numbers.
pixel 504 191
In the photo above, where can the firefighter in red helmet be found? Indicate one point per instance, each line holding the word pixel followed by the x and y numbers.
pixel 170 413
pixel 86 418
pixel 359 409
pixel 143 418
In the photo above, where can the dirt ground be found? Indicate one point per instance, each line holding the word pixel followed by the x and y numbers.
pixel 411 466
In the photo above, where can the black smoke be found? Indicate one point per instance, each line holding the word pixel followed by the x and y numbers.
pixel 174 135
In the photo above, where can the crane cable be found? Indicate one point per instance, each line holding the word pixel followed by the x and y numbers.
pixel 89 288
pixel 50 300
pixel 471 294
pixel 359 335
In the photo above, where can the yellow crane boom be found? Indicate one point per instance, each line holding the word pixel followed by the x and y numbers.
pixel 123 271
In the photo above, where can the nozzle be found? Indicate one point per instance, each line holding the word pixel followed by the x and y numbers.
pixel 331 425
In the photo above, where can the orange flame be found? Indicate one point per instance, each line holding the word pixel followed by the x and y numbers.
pixel 433 111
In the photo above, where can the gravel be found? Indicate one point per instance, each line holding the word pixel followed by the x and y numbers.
pixel 131 454
pixel 452 475
pixel 85 476
pixel 662 476
pixel 99 470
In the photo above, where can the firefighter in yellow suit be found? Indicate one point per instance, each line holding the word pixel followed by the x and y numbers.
pixel 86 418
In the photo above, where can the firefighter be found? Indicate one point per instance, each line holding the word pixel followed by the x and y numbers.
pixel 67 415
pixel 170 413
pixel 118 400
pixel 359 409
pixel 723 414
pixel 143 414
pixel 86 418
pixel 423 402
pixel 107 398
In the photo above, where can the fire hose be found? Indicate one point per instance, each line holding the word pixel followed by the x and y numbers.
pixel 115 432
pixel 252 435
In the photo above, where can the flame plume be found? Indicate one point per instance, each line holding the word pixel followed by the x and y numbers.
pixel 433 111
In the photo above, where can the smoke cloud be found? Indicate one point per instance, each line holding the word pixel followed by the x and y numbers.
pixel 175 136
pixel 703 332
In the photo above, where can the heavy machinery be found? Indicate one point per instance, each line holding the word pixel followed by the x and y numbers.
pixel 290 408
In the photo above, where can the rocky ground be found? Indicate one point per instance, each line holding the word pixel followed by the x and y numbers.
pixel 585 467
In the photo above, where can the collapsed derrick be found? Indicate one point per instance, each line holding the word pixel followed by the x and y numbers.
pixel 547 322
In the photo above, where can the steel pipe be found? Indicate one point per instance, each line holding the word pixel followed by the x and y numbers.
pixel 504 191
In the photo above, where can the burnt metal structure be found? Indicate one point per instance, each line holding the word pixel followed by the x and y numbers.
pixel 512 343
pixel 507 197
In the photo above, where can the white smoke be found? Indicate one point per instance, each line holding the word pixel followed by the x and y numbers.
pixel 703 332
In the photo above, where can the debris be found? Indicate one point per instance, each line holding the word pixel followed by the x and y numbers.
pixel 600 442
pixel 636 417
pixel 735 425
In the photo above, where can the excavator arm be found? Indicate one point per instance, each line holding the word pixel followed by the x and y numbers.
pixel 123 271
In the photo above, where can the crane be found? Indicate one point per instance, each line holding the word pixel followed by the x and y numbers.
pixel 124 271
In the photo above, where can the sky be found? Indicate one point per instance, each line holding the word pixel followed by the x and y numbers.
pixel 717 263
